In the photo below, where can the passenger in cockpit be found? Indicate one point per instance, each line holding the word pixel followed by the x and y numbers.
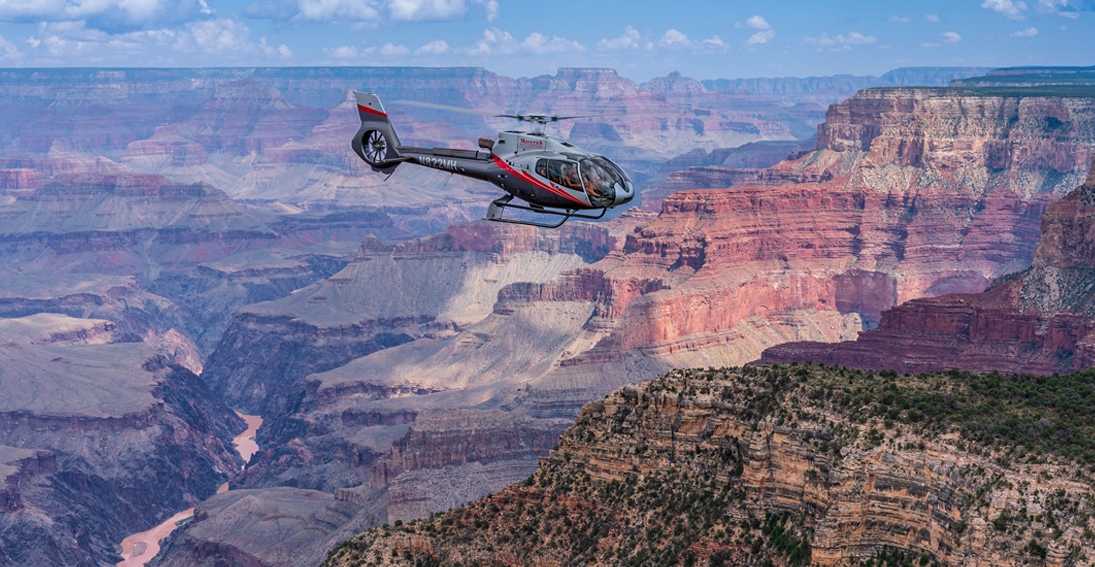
pixel 570 177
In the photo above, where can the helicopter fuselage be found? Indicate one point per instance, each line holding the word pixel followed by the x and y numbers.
pixel 543 170
pixel 552 175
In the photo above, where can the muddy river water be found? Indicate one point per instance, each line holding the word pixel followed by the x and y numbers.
pixel 138 549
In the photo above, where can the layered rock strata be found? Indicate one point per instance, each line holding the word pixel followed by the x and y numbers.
pixel 279 136
pixel 782 465
pixel 1039 320
pixel 280 526
pixel 386 296
pixel 171 258
pixel 105 439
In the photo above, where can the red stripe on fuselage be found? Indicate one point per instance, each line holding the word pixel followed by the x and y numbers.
pixel 371 111
pixel 526 177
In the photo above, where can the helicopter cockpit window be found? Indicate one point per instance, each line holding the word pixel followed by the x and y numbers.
pixel 600 182
pixel 560 173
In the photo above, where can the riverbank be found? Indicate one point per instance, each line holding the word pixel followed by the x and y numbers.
pixel 138 549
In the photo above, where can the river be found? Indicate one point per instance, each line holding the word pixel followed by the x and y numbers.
pixel 140 548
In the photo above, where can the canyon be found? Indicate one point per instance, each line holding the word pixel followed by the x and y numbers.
pixel 908 193
pixel 96 428
pixel 406 359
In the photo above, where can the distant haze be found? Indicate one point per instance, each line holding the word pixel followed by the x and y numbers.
pixel 703 39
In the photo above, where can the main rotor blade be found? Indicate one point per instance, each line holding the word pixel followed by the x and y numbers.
pixel 529 117
pixel 454 109
pixel 554 118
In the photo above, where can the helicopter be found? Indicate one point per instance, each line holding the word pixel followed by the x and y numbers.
pixel 549 173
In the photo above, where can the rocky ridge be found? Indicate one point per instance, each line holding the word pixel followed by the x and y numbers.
pixel 786 465
pixel 1038 320
pixel 827 90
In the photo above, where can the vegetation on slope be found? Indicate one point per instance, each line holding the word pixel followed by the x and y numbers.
pixel 660 475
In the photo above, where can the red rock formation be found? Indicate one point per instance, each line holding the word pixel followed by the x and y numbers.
pixel 1041 320
pixel 705 177
pixel 912 193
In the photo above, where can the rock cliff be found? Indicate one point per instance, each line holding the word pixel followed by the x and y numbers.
pixel 827 90
pixel 386 296
pixel 1037 320
pixel 100 439
pixel 785 465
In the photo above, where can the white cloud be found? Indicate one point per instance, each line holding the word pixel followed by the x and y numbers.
pixel 219 35
pixel 931 17
pixel 360 14
pixel 8 51
pixel 761 38
pixel 630 39
pixel 1006 8
pixel 898 20
pixel 208 42
pixel 427 10
pixel 839 41
pixel 540 44
pixel 1029 32
pixel 337 10
pixel 714 42
pixel 491 7
pixel 674 39
pixel 1062 8
pixel 110 15
pixel 343 52
pixel 754 23
pixel 433 48
pixel 390 50
pixel 951 37
pixel 282 51
pixel 496 41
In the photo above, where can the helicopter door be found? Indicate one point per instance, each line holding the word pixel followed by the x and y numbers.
pixel 560 172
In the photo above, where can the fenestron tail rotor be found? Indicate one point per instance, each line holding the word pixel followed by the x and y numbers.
pixel 376 147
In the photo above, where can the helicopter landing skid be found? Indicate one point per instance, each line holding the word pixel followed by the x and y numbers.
pixel 498 206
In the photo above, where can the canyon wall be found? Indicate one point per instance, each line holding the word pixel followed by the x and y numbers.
pixel 827 90
pixel 785 465
pixel 1038 320
pixel 99 439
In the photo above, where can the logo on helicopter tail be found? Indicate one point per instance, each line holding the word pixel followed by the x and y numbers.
pixel 449 164
pixel 531 144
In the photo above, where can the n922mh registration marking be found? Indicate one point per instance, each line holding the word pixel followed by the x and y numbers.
pixel 439 163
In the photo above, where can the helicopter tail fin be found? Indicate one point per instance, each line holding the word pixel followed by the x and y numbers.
pixel 376 141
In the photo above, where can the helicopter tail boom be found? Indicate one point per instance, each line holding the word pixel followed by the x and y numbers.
pixel 376 141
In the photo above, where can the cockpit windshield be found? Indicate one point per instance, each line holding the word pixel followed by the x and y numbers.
pixel 601 180
pixel 599 177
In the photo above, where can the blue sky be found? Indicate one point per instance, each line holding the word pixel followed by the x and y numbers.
pixel 641 39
